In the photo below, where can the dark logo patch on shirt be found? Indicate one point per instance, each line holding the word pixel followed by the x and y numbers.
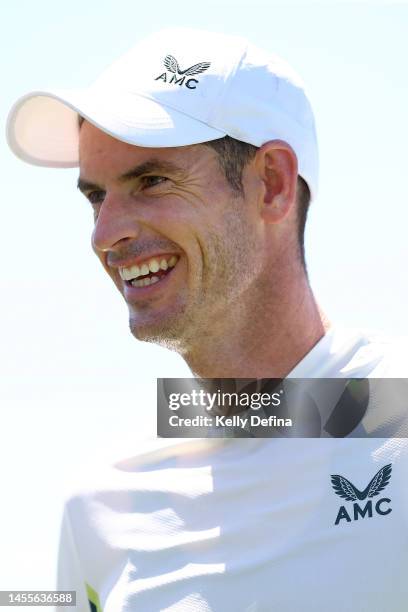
pixel 345 489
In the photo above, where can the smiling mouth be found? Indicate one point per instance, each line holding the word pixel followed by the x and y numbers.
pixel 149 272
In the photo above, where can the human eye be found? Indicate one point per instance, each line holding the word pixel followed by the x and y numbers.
pixel 153 181
pixel 96 197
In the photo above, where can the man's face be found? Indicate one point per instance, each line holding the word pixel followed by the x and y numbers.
pixel 178 242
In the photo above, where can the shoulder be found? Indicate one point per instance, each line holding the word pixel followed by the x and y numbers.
pixel 137 470
pixel 356 353
pixel 377 355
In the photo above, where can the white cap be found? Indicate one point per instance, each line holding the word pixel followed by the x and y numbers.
pixel 177 87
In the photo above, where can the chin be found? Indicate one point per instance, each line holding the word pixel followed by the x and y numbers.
pixel 168 334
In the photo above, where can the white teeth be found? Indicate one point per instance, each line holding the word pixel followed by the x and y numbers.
pixel 129 273
pixel 145 282
pixel 154 265
pixel 132 272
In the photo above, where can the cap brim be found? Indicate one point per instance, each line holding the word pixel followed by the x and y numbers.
pixel 43 129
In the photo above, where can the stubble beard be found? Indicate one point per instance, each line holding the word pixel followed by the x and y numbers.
pixel 220 300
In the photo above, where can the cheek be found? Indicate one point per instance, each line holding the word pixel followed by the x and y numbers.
pixel 180 217
pixel 237 245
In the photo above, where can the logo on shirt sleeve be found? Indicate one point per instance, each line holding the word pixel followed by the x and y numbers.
pixel 93 599
pixel 345 489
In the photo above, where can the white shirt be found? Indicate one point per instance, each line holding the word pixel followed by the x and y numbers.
pixel 250 525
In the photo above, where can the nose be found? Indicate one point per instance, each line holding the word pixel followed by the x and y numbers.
pixel 116 221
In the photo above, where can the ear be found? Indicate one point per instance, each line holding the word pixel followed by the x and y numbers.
pixel 276 165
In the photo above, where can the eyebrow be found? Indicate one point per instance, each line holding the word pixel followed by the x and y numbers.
pixel 152 165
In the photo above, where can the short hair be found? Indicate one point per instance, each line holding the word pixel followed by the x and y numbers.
pixel 233 156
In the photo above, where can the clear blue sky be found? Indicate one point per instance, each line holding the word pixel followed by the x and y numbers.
pixel 73 380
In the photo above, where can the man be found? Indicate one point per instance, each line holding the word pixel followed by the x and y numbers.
pixel 198 155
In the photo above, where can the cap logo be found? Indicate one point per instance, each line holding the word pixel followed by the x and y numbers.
pixel 179 76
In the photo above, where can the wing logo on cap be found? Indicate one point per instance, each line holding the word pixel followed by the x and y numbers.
pixel 172 65
pixel 181 77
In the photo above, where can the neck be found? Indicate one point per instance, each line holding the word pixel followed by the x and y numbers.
pixel 263 337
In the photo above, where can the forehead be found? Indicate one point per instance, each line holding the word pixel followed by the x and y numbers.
pixel 101 156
